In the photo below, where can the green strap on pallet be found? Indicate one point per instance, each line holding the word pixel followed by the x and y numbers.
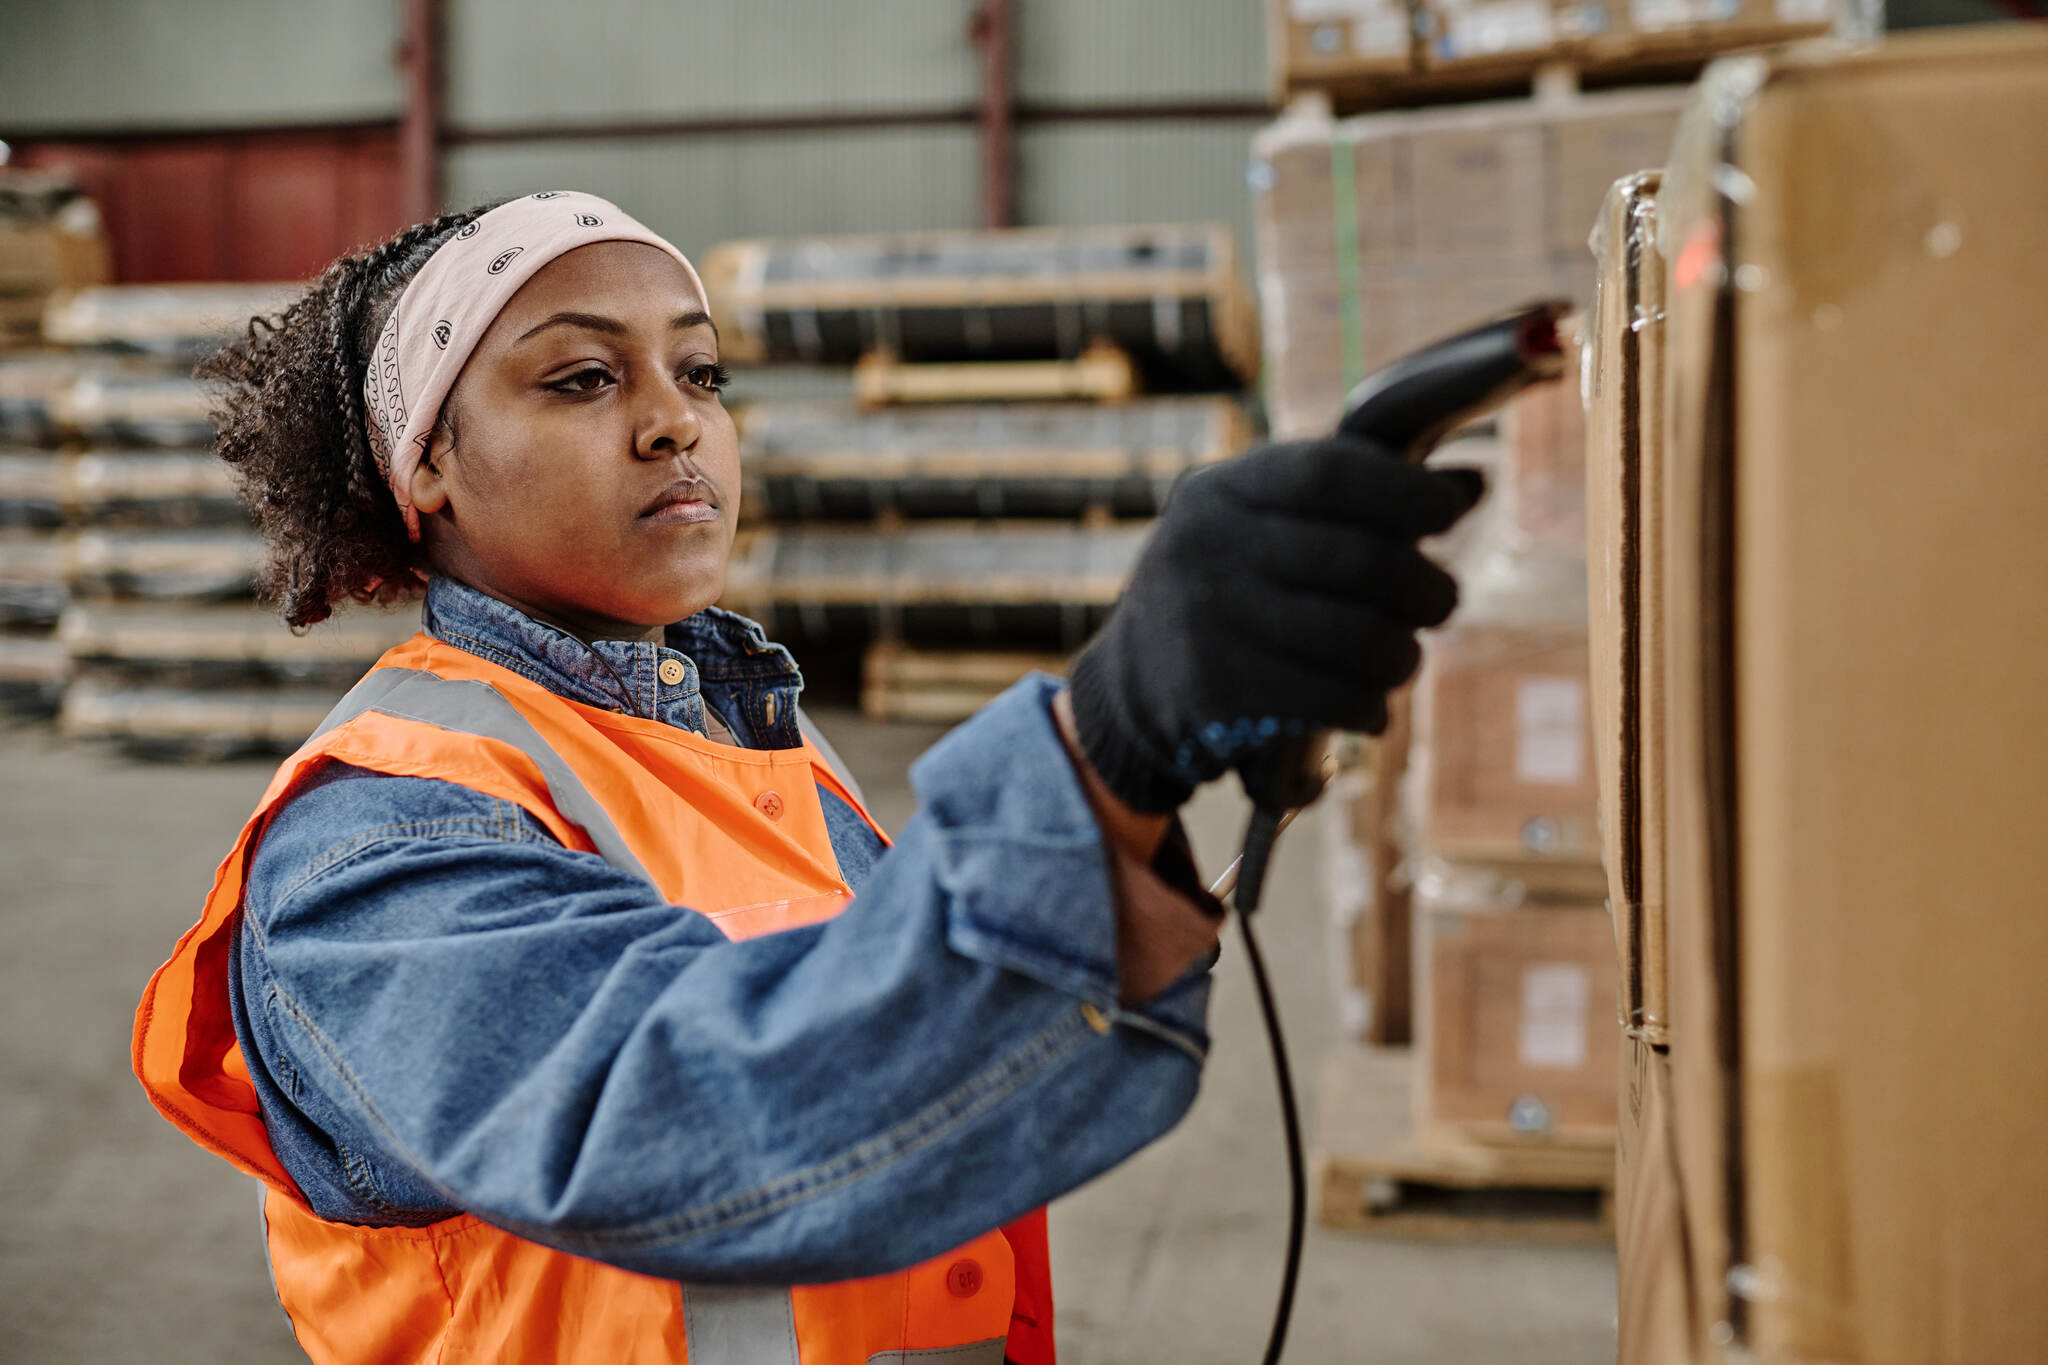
pixel 1344 204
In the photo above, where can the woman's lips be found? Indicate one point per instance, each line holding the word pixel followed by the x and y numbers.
pixel 682 513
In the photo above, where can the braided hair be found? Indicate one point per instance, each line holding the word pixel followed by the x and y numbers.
pixel 288 414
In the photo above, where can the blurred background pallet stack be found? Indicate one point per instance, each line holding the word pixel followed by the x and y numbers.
pixel 167 651
pixel 50 241
pixel 1022 401
pixel 1438 162
pixel 129 562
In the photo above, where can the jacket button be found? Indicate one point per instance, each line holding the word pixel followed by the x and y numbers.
pixel 769 804
pixel 670 671
pixel 963 1278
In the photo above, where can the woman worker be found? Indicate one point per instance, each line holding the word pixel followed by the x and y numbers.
pixel 560 990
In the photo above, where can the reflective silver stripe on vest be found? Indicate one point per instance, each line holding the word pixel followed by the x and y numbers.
pixel 829 754
pixel 988 1352
pixel 739 1325
pixel 465 707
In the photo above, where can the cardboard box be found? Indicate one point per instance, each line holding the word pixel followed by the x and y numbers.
pixel 1476 184
pixel 1858 734
pixel 40 260
pixel 1653 1294
pixel 1625 575
pixel 1316 43
pixel 1505 758
pixel 1518 1026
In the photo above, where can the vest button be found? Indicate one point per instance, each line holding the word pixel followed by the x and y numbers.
pixel 671 671
pixel 963 1278
pixel 769 804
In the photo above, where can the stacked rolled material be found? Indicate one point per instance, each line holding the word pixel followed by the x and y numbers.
pixel 831 461
pixel 1170 297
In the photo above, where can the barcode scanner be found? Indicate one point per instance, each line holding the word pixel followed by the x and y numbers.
pixel 1408 407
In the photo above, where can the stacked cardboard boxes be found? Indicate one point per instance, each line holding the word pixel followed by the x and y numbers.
pixel 1382 233
pixel 1823 726
pixel 49 241
pixel 1514 965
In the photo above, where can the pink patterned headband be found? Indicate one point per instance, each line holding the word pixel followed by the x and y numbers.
pixel 446 309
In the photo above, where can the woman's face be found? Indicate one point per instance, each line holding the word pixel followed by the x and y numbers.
pixel 590 475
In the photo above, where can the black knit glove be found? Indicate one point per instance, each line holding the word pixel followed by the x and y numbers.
pixel 1280 593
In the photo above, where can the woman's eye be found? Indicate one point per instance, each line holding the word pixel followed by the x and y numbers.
pixel 710 376
pixel 579 382
pixel 713 376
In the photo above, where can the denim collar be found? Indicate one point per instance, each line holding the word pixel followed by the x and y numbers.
pixel 728 662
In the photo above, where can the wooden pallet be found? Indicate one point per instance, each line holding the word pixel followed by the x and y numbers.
pixel 1101 373
pixel 1667 59
pixel 1376 1174
pixel 942 686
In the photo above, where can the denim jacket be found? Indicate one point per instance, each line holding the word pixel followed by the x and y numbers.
pixel 445 1010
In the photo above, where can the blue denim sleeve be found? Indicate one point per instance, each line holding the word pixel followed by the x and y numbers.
pixel 451 1011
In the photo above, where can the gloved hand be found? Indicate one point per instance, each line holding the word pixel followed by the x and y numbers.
pixel 1280 593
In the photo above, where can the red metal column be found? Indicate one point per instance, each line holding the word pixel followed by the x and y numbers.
pixel 993 32
pixel 419 131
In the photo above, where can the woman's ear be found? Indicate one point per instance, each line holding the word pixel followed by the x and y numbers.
pixel 429 487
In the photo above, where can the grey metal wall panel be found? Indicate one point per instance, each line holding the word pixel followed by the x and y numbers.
pixel 85 65
pixel 521 62
pixel 1098 51
pixel 701 191
pixel 1071 174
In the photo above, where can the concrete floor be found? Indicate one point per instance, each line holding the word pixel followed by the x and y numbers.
pixel 122 1242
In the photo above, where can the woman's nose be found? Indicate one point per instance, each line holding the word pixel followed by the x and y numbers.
pixel 668 424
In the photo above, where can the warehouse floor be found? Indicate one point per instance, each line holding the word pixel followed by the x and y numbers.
pixel 124 1243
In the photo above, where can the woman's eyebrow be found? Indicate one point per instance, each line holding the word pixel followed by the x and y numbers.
pixel 593 322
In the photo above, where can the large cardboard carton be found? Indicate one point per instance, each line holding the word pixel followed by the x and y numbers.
pixel 1517 1032
pixel 1653 1291
pixel 1625 574
pixel 1505 764
pixel 1858 733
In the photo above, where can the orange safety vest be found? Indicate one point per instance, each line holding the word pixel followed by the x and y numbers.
pixel 737 834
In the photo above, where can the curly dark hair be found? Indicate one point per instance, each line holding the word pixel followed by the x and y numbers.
pixel 288 412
